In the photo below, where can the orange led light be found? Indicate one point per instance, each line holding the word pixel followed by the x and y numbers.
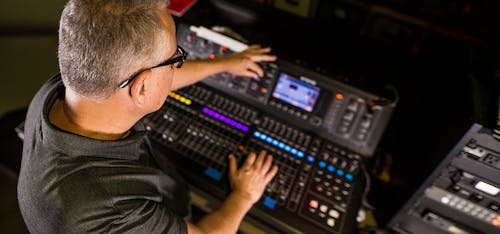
pixel 339 96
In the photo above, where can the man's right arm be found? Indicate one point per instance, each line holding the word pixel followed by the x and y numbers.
pixel 248 184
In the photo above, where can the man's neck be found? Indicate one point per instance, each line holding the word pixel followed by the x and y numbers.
pixel 102 121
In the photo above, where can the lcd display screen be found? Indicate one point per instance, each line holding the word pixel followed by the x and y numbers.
pixel 296 92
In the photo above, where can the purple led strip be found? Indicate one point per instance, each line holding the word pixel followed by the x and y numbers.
pixel 224 119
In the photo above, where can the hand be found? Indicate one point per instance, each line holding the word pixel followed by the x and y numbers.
pixel 251 179
pixel 244 63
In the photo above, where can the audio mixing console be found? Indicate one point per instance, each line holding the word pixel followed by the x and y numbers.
pixel 317 129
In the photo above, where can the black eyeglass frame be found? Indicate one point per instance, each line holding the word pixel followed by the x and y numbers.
pixel 180 59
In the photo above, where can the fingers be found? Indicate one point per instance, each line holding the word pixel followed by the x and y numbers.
pixel 232 165
pixel 249 162
pixel 258 54
pixel 267 163
pixel 263 58
pixel 260 160
pixel 271 174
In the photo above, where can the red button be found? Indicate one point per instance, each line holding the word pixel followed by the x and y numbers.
pixel 313 204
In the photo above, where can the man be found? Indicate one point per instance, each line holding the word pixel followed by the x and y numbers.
pixel 87 164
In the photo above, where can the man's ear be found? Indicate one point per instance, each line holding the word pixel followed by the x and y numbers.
pixel 139 88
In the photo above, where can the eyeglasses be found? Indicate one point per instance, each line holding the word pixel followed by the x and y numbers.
pixel 178 59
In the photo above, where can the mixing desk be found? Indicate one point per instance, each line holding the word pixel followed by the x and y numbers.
pixel 317 129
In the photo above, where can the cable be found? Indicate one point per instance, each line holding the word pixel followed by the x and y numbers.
pixel 364 199
pixel 395 92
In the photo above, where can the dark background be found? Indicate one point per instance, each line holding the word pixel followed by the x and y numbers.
pixel 440 56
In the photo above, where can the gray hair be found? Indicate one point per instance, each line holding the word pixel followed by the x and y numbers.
pixel 103 42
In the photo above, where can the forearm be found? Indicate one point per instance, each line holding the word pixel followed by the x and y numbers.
pixel 195 70
pixel 228 217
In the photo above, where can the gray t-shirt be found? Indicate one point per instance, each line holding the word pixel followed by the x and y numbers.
pixel 74 184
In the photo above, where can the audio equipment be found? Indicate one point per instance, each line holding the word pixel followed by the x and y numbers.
pixel 462 195
pixel 317 129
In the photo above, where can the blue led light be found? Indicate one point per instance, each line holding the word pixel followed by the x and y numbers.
pixel 269 202
pixel 214 174
pixel 340 172
pixel 269 139
pixel 330 168
pixel 310 159
pixel 322 164
pixel 279 144
pixel 287 148
pixel 349 176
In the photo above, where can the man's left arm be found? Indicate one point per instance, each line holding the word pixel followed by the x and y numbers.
pixel 241 64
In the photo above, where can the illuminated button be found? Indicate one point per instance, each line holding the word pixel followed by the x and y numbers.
pixel 269 139
pixel 263 137
pixel 349 176
pixel 310 159
pixel 323 208
pixel 300 154
pixel 263 90
pixel 269 202
pixel 333 213
pixel 339 96
pixel 188 102
pixel 256 134
pixel 330 222
pixel 330 168
pixel 313 204
pixel 340 172
pixel 493 206
pixel 322 164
